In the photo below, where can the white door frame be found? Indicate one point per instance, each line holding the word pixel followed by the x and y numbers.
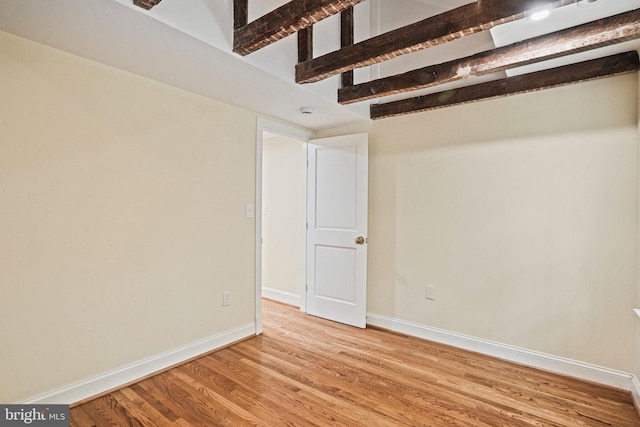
pixel 290 132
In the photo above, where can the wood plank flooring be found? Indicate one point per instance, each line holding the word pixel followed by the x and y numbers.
pixel 305 371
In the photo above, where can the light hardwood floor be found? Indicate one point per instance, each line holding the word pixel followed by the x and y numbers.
pixel 305 371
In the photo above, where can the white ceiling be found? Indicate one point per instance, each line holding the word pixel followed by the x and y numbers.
pixel 187 44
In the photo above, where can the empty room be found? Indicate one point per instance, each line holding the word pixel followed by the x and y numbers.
pixel 320 212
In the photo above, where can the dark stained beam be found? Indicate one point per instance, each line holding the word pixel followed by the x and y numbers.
pixel 454 24
pixel 305 44
pixel 604 32
pixel 555 77
pixel 146 4
pixel 240 13
pixel 285 20
pixel 346 39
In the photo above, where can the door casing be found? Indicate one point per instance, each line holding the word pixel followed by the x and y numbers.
pixel 304 135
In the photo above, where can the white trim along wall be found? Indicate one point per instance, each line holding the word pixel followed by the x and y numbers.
pixel 100 384
pixel 281 296
pixel 546 362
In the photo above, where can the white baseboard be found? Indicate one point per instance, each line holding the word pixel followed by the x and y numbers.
pixel 572 368
pixel 284 297
pixel 635 391
pixel 127 374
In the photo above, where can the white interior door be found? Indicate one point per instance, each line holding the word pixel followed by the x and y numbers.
pixel 337 229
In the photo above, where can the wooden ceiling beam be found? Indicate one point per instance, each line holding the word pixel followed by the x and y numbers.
pixel 305 44
pixel 600 33
pixel 454 24
pixel 346 39
pixel 555 77
pixel 285 20
pixel 240 13
pixel 146 4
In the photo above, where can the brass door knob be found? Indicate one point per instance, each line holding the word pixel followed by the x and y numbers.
pixel 360 240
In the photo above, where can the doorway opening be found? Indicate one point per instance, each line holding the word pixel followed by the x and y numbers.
pixel 284 197
pixel 281 180
pixel 311 244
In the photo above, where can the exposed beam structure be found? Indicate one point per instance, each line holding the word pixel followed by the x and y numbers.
pixel 305 44
pixel 346 39
pixel 604 32
pixel 283 21
pixel 454 24
pixel 583 71
pixel 300 15
pixel 146 4
pixel 240 13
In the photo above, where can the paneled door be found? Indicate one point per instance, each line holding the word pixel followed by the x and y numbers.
pixel 337 229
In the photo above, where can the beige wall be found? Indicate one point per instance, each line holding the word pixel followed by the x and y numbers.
pixel 522 211
pixel 121 218
pixel 284 177
pixel 637 304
